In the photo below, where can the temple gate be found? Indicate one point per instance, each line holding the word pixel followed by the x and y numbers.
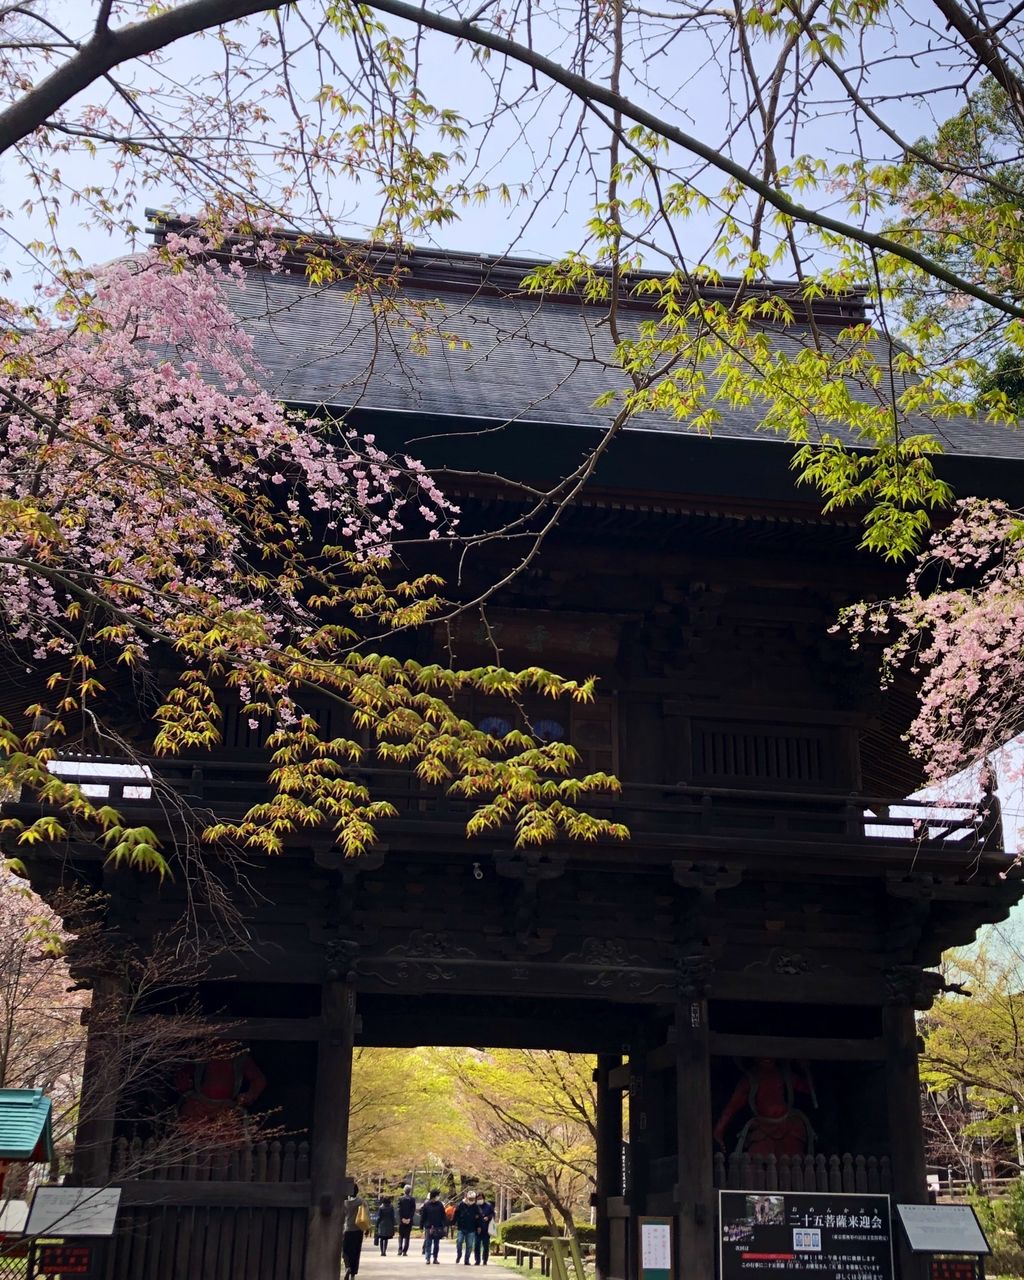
pixel 772 919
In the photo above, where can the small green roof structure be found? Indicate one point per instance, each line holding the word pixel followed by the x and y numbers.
pixel 25 1125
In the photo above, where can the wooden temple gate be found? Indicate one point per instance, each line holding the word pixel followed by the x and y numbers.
pixel 778 900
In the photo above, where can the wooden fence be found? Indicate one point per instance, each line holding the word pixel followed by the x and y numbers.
pixel 802 1173
pixel 235 1213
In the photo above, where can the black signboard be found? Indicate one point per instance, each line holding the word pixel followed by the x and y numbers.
pixel 766 1234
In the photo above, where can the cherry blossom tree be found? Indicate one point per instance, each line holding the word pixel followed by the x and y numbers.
pixel 959 628
pixel 158 506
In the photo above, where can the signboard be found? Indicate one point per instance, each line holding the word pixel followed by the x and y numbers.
pixel 814 1234
pixel 942 1228
pixel 656 1248
pixel 65 1259
pixel 73 1211
pixel 13 1216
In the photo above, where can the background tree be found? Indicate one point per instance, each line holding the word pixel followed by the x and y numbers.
pixel 42 1037
pixel 533 1113
pixel 973 1061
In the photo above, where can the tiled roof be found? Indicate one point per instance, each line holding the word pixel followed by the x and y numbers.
pixel 544 361
pixel 25 1125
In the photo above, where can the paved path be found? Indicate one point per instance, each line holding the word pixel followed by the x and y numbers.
pixel 373 1267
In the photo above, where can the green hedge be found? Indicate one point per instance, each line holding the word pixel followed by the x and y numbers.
pixel 531 1232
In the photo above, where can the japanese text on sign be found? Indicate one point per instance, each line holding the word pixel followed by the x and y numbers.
pixel 817 1235
pixel 64 1260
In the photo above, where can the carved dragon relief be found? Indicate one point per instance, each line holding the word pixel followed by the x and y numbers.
pixel 428 955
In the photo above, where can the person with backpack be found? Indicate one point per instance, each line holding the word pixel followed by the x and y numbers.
pixel 406 1214
pixel 467 1228
pixel 434 1224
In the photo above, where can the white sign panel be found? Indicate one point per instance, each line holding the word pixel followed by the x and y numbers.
pixel 73 1211
pixel 656 1246
pixel 13 1215
pixel 942 1228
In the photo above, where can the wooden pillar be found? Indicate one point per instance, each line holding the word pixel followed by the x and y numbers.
pixel 101 1083
pixel 329 1155
pixel 609 1157
pixel 903 1098
pixel 695 1221
pixel 906 1135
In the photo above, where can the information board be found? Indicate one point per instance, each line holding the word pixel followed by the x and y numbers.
pixel 804 1233
pixel 73 1211
pixel 656 1248
pixel 942 1228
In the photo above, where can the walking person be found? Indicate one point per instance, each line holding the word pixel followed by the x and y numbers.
pixel 467 1227
pixel 483 1239
pixel 385 1224
pixel 356 1225
pixel 406 1214
pixel 434 1225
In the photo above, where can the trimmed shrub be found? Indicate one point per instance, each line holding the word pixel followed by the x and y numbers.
pixel 531 1232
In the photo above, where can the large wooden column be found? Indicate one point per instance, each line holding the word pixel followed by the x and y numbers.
pixel 639 1153
pixel 609 1157
pixel 329 1155
pixel 695 1222
pixel 903 1105
pixel 101 1082
pixel 903 1100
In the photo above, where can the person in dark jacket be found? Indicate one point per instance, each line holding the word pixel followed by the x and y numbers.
pixel 467 1228
pixel 385 1224
pixel 434 1225
pixel 406 1214
pixel 483 1239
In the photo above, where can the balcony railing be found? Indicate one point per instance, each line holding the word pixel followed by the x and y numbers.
pixel 653 812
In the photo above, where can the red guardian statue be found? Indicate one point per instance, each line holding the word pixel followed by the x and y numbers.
pixel 217 1092
pixel 775 1126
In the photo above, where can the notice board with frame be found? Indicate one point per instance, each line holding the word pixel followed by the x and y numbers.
pixel 656 1244
pixel 812 1234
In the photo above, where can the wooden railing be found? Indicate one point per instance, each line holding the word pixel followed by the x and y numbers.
pixel 845 1173
pixel 247 1173
pixel 266 1161
pixel 227 787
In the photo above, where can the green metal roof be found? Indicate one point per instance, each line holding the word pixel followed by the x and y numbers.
pixel 25 1132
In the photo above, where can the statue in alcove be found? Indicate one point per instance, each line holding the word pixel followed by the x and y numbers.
pixel 776 1126
pixel 219 1089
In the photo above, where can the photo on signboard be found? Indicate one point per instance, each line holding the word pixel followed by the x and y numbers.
pixel 766 1211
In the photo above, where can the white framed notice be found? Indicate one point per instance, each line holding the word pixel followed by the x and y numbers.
pixel 656 1246
pixel 942 1228
pixel 73 1211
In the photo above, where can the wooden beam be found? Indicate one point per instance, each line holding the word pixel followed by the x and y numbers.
pixel 286 1029
pixel 245 1195
pixel 619 1077
pixel 815 1048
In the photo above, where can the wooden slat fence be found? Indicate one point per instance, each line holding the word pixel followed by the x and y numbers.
pixel 845 1173
pixel 236 1213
